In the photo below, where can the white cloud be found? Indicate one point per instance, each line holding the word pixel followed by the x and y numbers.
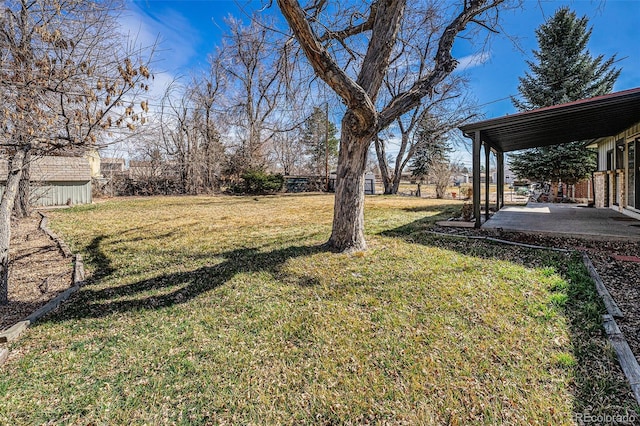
pixel 471 61
pixel 176 37
pixel 175 42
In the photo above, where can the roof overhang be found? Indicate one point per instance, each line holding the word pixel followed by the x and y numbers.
pixel 583 120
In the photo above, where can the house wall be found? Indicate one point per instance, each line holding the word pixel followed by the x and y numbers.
pixel 608 195
pixel 111 166
pixel 604 147
pixel 93 157
pixel 609 143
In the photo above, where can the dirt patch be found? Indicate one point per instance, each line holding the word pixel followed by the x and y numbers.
pixel 622 279
pixel 37 272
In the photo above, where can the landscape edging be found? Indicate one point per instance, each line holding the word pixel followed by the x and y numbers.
pixel 626 358
pixel 64 248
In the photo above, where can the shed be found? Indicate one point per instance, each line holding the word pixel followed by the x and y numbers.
pixel 56 181
pixel 369 183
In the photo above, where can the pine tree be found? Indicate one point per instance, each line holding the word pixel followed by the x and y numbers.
pixel 313 138
pixel 563 71
pixel 430 151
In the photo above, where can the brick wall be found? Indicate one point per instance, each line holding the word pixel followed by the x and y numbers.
pixel 621 192
pixel 600 188
pixel 582 190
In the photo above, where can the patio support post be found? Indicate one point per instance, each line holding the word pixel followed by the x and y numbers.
pixel 500 176
pixel 477 142
pixel 487 179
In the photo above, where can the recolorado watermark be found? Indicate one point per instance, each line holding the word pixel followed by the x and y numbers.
pixel 589 418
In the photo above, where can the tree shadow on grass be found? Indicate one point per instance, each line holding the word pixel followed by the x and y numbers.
pixel 443 212
pixel 600 387
pixel 444 209
pixel 180 287
pixel 100 261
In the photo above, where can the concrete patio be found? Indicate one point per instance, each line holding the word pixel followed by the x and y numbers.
pixel 570 220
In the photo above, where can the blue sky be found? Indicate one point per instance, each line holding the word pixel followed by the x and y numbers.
pixel 616 31
pixel 189 30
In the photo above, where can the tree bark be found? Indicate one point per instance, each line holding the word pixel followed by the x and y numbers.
pixel 22 204
pixel 6 207
pixel 347 234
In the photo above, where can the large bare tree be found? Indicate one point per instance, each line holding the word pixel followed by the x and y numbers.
pixel 253 61
pixel 189 134
pixel 351 45
pixel 66 77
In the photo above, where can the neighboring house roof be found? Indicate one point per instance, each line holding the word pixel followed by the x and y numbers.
pixel 112 160
pixel 54 169
pixel 111 165
pixel 574 121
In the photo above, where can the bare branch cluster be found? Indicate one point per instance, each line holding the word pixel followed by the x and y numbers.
pixel 65 77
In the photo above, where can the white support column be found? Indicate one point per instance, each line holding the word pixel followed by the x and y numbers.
pixel 487 153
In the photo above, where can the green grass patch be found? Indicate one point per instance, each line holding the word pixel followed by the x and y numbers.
pixel 227 310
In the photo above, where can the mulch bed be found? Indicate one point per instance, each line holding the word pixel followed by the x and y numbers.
pixel 37 273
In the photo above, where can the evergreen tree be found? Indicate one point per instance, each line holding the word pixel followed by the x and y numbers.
pixel 313 138
pixel 563 71
pixel 431 148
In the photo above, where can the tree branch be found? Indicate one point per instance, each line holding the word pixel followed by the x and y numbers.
pixel 354 96
pixel 354 29
pixel 444 63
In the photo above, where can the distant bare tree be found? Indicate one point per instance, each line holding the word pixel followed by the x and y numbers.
pixel 440 175
pixel 252 57
pixel 179 136
pixel 287 151
pixel 205 94
pixel 190 139
pixel 450 105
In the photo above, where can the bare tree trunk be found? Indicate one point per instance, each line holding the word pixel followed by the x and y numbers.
pixel 22 205
pixel 362 121
pixel 383 165
pixel 6 206
pixel 395 186
pixel 348 217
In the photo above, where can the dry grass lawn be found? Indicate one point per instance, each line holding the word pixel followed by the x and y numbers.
pixel 227 310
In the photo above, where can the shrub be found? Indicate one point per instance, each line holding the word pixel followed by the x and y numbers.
pixel 466 191
pixel 258 182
